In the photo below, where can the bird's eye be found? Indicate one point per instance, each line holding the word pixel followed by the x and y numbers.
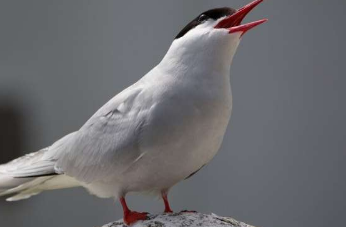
pixel 202 17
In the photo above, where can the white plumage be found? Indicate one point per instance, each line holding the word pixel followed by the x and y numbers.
pixel 155 133
pixel 151 135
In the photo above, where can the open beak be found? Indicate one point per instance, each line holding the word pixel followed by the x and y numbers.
pixel 233 22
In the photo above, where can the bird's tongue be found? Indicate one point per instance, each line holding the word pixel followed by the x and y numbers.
pixel 233 22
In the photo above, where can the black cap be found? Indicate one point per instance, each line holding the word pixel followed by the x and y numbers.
pixel 213 14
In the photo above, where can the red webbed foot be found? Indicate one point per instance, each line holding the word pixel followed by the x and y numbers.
pixel 130 216
pixel 168 211
pixel 133 216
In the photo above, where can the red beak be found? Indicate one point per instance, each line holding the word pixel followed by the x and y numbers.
pixel 232 22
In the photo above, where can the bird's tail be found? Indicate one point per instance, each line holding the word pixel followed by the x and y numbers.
pixel 31 174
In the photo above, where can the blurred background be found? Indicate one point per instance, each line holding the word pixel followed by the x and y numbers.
pixel 282 162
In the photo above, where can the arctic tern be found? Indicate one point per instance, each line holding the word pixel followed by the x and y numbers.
pixel 155 133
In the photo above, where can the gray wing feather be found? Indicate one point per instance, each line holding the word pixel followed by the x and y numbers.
pixel 37 164
pixel 29 165
pixel 107 142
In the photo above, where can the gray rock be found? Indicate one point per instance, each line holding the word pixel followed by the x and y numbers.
pixel 183 220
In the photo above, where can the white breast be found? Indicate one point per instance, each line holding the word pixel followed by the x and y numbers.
pixel 188 99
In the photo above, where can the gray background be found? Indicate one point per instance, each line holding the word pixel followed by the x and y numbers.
pixel 282 162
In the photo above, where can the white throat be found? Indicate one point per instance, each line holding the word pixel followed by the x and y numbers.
pixel 208 53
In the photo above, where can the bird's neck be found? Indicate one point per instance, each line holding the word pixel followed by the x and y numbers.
pixel 196 60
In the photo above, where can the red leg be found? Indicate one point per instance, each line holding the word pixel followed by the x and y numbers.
pixel 131 216
pixel 165 200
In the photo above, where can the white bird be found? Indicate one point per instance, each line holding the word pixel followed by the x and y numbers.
pixel 155 133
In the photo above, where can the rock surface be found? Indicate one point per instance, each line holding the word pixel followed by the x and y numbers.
pixel 183 220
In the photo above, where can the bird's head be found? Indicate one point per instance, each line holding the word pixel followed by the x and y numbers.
pixel 212 37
